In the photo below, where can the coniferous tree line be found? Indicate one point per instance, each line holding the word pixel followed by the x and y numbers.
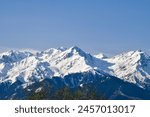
pixel 81 93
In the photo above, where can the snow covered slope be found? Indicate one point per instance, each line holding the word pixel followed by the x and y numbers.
pixel 133 66
pixel 27 67
pixel 72 60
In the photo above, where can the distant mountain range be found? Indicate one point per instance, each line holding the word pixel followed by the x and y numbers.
pixel 124 76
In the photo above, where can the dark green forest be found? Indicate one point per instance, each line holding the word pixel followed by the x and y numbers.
pixel 65 93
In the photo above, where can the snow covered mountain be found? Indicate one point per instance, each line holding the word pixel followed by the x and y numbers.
pixel 27 68
pixel 133 66
pixel 72 60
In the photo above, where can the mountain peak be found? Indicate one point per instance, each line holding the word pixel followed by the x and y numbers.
pixel 13 56
pixel 132 54
pixel 132 66
pixel 138 52
pixel 75 48
pixel 140 55
pixel 10 52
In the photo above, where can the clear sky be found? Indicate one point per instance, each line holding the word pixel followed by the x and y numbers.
pixel 109 26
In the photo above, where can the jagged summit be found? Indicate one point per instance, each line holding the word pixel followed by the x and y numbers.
pixel 75 49
pixel 133 66
pixel 50 51
pixel 72 60
pixel 137 56
pixel 13 56
pixel 27 66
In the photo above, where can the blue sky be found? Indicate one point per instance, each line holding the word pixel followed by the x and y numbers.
pixel 109 26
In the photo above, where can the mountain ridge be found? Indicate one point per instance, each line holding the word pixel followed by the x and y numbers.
pixel 131 66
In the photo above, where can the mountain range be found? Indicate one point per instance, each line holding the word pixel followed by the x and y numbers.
pixel 124 76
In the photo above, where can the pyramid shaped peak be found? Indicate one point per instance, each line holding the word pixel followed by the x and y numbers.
pixel 75 49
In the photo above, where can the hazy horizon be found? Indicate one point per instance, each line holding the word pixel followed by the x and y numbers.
pixel 110 27
pixel 35 50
